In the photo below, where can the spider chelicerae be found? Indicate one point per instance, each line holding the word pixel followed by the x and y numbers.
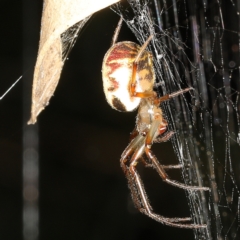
pixel 128 81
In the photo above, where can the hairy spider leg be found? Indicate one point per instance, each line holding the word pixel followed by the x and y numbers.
pixel 177 166
pixel 165 138
pixel 129 159
pixel 166 178
pixel 117 30
pixel 133 152
pixel 148 143
pixel 133 134
pixel 123 162
pixel 147 209
pixel 167 97
pixel 166 167
pixel 136 149
pixel 159 139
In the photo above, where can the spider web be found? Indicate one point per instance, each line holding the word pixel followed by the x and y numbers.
pixel 196 44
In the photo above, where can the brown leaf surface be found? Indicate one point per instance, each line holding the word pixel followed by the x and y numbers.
pixel 57 17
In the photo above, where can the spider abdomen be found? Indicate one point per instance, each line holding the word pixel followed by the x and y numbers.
pixel 117 72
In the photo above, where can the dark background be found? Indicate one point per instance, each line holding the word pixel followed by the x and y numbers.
pixel 83 192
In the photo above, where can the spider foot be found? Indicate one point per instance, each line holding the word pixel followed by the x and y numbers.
pixel 187 187
pixel 174 222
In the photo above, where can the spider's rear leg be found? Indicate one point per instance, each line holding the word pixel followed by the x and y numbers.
pixel 164 138
pixel 166 178
pixel 177 166
pixel 133 134
pixel 129 161
pixel 125 162
pixel 147 163
pixel 157 124
pixel 138 192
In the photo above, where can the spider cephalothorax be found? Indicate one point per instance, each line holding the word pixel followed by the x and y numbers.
pixel 128 81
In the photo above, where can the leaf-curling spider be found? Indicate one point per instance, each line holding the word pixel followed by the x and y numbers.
pixel 128 80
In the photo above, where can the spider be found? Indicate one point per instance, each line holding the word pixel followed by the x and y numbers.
pixel 128 81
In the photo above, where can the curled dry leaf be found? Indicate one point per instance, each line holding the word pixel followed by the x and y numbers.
pixel 58 16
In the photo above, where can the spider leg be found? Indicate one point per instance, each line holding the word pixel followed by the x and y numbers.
pixel 146 208
pixel 163 138
pixel 177 166
pixel 117 30
pixel 133 134
pixel 132 146
pixel 148 143
pixel 166 97
pixel 166 178
pixel 129 160
pixel 125 158
pixel 145 162
pixel 161 130
pixel 166 167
